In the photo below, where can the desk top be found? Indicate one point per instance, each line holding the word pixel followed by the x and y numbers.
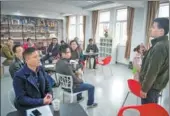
pixel 72 109
pixel 90 54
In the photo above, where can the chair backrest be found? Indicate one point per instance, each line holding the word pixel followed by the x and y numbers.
pixel 134 86
pixel 11 97
pixel 66 81
pixel 107 60
pixel 151 109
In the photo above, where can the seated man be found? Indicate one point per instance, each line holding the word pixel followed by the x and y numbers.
pixel 63 67
pixel 92 48
pixel 52 51
pixel 7 52
pixel 30 83
pixel 18 62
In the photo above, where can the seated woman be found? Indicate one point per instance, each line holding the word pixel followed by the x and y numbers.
pixel 76 53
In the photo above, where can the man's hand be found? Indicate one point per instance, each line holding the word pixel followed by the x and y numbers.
pixel 143 94
pixel 50 53
pixel 48 99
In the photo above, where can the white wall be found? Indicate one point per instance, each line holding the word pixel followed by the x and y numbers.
pixel 88 30
pixel 138 34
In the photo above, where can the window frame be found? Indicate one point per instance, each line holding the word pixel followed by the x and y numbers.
pixel 120 39
pixel 103 22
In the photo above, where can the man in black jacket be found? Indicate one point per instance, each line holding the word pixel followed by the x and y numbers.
pixel 18 60
pixel 30 83
pixel 154 74
pixel 94 49
pixel 63 67
pixel 52 51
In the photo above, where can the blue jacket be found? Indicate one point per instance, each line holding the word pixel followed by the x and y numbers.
pixel 28 95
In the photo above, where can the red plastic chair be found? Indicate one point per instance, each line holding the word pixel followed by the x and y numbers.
pixel 151 109
pixel 105 62
pixel 135 88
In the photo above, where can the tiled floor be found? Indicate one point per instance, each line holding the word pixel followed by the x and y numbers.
pixel 110 91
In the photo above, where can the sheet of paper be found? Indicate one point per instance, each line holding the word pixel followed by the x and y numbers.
pixel 44 110
pixel 49 66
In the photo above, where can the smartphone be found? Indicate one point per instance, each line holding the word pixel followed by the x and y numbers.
pixel 36 113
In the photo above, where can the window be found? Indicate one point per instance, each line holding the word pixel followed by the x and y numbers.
pixel 104 20
pixel 80 29
pixel 164 10
pixel 72 27
pixel 121 26
pixel 76 28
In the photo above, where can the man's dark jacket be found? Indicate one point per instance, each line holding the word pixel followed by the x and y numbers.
pixel 28 94
pixel 15 66
pixel 92 47
pixel 63 67
pixel 54 50
pixel 155 65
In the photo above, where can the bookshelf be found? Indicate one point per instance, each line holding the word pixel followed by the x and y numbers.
pixel 20 28
pixel 105 47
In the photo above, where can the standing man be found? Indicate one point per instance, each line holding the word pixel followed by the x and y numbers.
pixel 18 62
pixel 52 51
pixel 154 74
pixel 30 83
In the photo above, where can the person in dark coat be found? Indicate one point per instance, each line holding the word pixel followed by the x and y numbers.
pixel 154 73
pixel 30 83
pixel 18 62
pixel 94 49
pixel 52 51
pixel 64 67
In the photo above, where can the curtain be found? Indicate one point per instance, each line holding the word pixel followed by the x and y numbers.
pixel 130 19
pixel 152 10
pixel 84 31
pixel 94 23
pixel 67 28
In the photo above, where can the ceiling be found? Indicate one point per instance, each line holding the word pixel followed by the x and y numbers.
pixel 60 8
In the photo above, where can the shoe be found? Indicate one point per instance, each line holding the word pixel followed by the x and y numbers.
pixel 92 106
pixel 80 99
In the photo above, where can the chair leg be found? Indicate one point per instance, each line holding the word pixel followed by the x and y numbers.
pixel 111 71
pixel 102 70
pixel 125 98
pixel 72 98
pixel 63 97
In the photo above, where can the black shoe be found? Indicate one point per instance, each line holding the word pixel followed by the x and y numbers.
pixel 92 106
pixel 80 99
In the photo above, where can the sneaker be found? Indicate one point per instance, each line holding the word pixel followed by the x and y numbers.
pixel 80 99
pixel 92 106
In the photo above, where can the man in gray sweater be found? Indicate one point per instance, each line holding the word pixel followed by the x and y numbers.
pixel 63 67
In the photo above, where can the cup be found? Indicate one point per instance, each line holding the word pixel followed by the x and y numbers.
pixel 56 104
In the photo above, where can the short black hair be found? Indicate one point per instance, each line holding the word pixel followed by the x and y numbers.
pixel 28 51
pixel 90 39
pixel 15 48
pixel 28 39
pixel 163 23
pixel 62 41
pixel 64 47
